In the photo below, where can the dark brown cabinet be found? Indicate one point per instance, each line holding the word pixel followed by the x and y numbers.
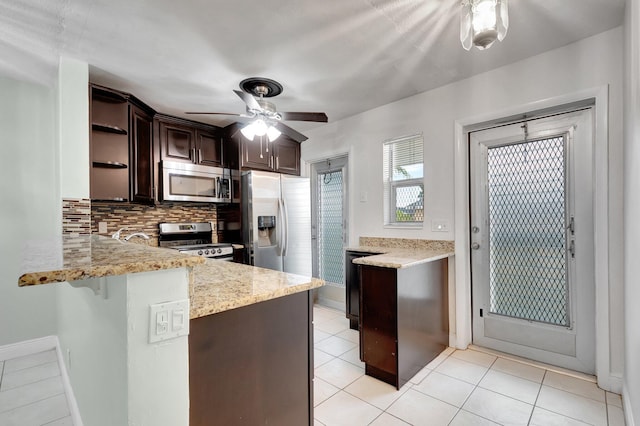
pixel 189 142
pixel 404 319
pixel 109 144
pixel 253 365
pixel 352 286
pixel 281 156
pixel 143 156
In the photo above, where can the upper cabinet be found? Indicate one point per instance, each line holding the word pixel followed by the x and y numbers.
pixel 187 141
pixel 109 145
pixel 144 176
pixel 282 155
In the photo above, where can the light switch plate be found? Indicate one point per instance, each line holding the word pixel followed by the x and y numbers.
pixel 364 196
pixel 439 225
pixel 168 320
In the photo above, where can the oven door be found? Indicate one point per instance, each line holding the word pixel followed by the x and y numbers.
pixel 191 182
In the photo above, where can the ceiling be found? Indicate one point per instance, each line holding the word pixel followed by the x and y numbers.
pixel 337 56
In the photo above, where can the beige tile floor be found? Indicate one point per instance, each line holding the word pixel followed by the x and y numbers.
pixel 31 392
pixel 458 388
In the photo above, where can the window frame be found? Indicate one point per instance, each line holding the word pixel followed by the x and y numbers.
pixel 391 186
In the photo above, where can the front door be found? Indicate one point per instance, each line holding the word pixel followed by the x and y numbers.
pixel 532 239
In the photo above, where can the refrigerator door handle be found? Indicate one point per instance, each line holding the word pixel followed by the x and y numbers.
pixel 280 227
pixel 285 229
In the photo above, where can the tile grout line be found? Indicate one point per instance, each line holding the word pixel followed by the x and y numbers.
pixel 535 403
pixel 34 402
pixel 1 374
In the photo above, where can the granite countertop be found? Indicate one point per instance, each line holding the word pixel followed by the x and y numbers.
pixel 397 253
pixel 78 258
pixel 220 286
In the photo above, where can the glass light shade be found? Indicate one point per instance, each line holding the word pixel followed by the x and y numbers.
pixel 248 131
pixel 273 133
pixel 482 22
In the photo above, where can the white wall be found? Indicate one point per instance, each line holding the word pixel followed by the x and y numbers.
pixel 589 63
pixel 73 127
pixel 30 206
pixel 632 213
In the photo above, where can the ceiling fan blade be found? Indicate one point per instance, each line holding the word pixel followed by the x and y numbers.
pixel 249 100
pixel 319 117
pixel 214 113
pixel 293 134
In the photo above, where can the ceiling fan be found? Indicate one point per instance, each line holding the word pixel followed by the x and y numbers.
pixel 262 115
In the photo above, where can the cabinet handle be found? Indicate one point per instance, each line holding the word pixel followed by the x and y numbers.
pixel 193 155
pixel 277 163
pixel 199 155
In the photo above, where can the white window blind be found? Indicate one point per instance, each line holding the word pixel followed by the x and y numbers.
pixel 403 174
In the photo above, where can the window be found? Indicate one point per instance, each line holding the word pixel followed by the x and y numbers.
pixel 403 181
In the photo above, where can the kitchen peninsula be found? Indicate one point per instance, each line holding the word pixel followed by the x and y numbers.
pixel 403 304
pixel 248 354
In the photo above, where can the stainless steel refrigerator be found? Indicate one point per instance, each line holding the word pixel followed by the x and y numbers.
pixel 276 221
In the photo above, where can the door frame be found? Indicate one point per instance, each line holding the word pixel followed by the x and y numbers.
pixel 344 167
pixel 598 97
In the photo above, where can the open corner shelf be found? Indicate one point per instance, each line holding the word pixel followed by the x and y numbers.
pixel 108 96
pixel 108 128
pixel 109 165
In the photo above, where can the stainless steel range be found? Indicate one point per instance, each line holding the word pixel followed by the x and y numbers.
pixel 193 238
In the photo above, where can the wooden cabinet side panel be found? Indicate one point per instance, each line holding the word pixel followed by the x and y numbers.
pixel 253 365
pixel 378 313
pixel 423 319
pixel 142 173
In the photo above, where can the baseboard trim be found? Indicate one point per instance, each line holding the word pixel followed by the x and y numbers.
pixel 28 347
pixel 626 403
pixel 66 382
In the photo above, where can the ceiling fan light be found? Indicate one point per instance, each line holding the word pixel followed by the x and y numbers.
pixel 260 127
pixel 482 22
pixel 273 133
pixel 248 131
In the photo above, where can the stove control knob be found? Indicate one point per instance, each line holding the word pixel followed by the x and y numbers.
pixel 206 252
pixel 219 250
pixel 199 252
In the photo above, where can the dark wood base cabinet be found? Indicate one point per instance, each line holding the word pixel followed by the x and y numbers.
pixel 352 286
pixel 253 365
pixel 404 319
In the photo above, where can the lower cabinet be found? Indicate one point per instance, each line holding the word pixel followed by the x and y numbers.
pixel 404 320
pixel 253 365
pixel 352 286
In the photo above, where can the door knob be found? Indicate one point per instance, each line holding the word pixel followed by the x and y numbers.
pixel 475 246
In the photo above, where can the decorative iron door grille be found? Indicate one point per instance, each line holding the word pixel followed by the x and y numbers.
pixel 330 227
pixel 528 277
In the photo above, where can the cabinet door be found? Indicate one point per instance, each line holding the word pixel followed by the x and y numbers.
pixel 378 321
pixel 352 285
pixel 287 156
pixel 178 142
pixel 142 157
pixel 256 154
pixel 209 148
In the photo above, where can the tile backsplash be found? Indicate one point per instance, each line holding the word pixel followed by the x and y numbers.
pixel 140 218
pixel 76 217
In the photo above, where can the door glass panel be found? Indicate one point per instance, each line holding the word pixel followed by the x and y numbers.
pixel 527 239
pixel 330 248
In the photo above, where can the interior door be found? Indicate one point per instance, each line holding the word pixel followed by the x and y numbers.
pixel 329 219
pixel 532 239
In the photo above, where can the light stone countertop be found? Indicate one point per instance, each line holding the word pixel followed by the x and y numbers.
pixel 397 253
pixel 220 286
pixel 78 258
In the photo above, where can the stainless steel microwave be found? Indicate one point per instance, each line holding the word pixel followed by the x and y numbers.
pixel 192 182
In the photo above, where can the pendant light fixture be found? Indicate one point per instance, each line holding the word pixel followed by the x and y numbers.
pixel 482 22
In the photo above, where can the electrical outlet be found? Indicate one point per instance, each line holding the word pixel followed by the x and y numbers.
pixel 102 227
pixel 168 320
